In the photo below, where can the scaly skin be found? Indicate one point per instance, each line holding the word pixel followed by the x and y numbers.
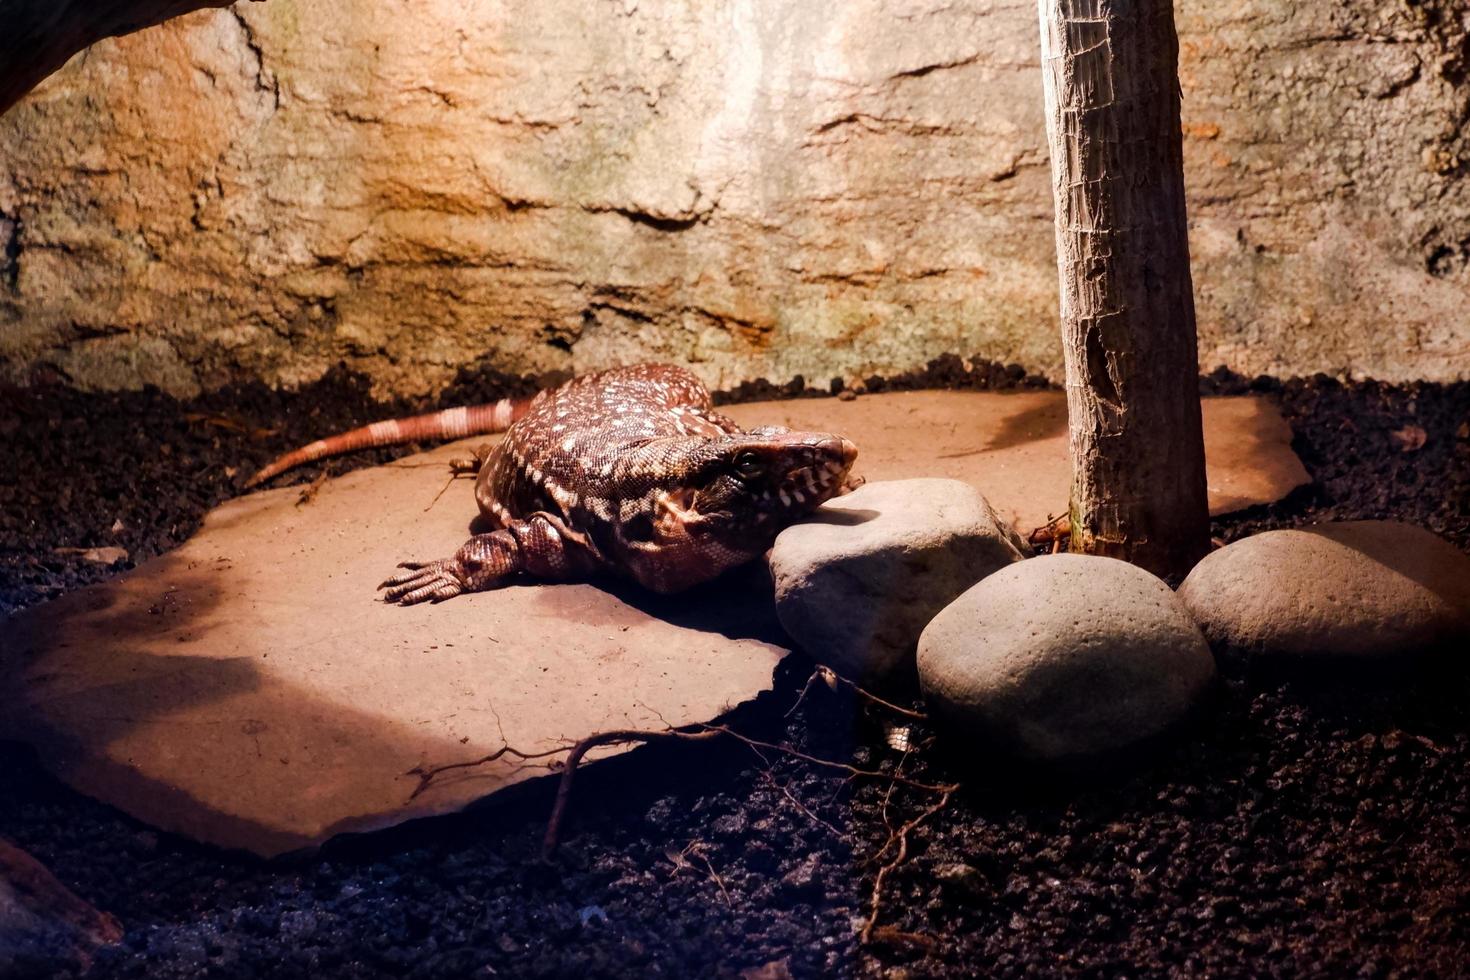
pixel 627 471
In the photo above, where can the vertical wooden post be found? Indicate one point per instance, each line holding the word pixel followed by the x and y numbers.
pixel 1110 70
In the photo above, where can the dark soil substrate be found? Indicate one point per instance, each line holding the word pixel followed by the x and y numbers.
pixel 1293 830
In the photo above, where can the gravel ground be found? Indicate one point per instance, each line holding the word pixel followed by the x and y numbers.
pixel 1294 830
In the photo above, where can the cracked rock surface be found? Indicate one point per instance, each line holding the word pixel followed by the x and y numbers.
pixel 764 189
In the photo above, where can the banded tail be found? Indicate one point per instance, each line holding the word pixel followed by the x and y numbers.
pixel 452 423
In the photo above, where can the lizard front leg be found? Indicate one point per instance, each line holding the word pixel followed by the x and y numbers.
pixel 470 466
pixel 541 545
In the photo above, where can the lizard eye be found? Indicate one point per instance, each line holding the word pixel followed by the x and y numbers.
pixel 749 465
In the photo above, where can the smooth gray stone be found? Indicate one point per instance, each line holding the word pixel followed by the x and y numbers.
pixel 1063 657
pixel 1366 590
pixel 857 584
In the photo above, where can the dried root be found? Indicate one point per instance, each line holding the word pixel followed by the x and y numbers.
pixel 898 842
pixel 697 849
pixel 895 849
pixel 309 492
pixel 1056 532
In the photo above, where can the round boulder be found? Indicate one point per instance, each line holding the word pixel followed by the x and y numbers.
pixel 1063 657
pixel 1363 590
pixel 857 583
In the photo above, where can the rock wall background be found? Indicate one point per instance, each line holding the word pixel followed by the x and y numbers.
pixel 762 187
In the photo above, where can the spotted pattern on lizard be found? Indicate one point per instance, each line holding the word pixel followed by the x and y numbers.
pixel 628 471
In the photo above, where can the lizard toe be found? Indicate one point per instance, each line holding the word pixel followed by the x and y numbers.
pixel 416 570
pixel 436 580
pixel 436 591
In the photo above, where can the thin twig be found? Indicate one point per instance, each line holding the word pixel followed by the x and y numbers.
pixel 898 840
pixel 808 811
pixel 576 752
pixel 806 689
pixel 574 759
pixel 1054 530
pixel 846 782
pixel 309 492
pixel 453 475
pixel 888 794
pixel 427 775
pixel 832 677
pixel 902 836
pixel 697 848
pixel 714 876
pixel 829 763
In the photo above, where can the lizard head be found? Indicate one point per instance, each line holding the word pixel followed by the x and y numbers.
pixel 753 484
pixel 720 502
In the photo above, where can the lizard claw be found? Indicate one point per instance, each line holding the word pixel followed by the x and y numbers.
pixel 433 581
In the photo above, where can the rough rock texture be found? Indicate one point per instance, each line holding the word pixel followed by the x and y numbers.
pixel 42 35
pixel 763 187
pixel 857 584
pixel 1063 657
pixel 1360 589
pixel 250 689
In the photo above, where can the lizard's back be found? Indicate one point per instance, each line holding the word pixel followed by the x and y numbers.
pixel 559 457
pixel 628 470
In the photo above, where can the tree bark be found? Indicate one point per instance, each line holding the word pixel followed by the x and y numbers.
pixel 1109 68
pixel 39 36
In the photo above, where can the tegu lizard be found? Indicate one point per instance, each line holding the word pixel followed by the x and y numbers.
pixel 628 471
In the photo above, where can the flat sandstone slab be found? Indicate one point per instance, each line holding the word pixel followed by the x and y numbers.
pixel 250 691
pixel 1013 446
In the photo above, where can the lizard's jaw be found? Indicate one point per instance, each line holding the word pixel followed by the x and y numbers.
pixel 825 463
pixel 695 536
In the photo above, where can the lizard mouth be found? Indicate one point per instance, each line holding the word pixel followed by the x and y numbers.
pixel 806 487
